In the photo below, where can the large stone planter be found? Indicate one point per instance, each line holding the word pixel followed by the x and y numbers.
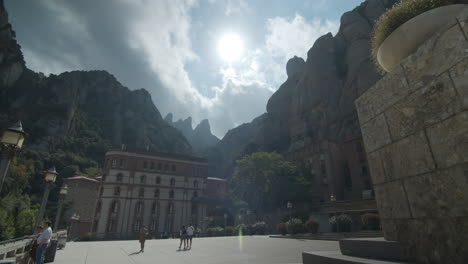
pixel 409 36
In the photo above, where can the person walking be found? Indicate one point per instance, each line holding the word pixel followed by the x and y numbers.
pixel 142 237
pixel 190 230
pixel 183 235
pixel 42 242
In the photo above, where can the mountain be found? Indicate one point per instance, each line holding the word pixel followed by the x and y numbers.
pixel 200 138
pixel 316 102
pixel 83 112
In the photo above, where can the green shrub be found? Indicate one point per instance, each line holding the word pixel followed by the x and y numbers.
pixel 371 221
pixel 215 231
pixel 398 15
pixel 312 225
pixel 295 226
pixel 282 228
pixel 260 228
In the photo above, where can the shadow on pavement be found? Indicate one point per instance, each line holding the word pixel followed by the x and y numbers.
pixel 134 253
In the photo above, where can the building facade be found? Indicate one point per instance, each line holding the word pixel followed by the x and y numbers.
pixel 82 197
pixel 158 190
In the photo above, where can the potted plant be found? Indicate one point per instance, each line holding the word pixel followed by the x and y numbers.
pixel 403 28
pixel 282 228
pixel 312 226
pixel 295 226
pixel 260 228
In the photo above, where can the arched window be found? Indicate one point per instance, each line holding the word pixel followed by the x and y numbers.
pixel 145 164
pixel 158 180
pixel 143 179
pixel 115 207
pixel 154 209
pixel 114 163
pixel 171 194
pixel 172 182
pixel 173 168
pixel 156 193
pixel 141 192
pixel 152 166
pixel 159 166
pixel 166 167
pixel 119 177
pixel 139 208
pixel 195 194
pixel 195 184
pixel 117 190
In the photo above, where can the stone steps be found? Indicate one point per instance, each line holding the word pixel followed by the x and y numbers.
pixel 336 257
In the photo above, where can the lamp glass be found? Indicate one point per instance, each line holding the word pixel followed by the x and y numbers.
pixel 12 138
pixel 64 190
pixel 50 177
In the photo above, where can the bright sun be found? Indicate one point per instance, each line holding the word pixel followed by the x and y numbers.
pixel 230 47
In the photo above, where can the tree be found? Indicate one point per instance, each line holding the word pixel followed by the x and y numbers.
pixel 265 180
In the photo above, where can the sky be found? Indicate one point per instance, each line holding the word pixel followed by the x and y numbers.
pixel 219 60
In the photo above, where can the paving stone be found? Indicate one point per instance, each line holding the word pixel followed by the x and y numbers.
pixel 449 140
pixel 439 194
pixel 391 200
pixel 407 157
pixel 431 104
pixel 435 56
pixel 375 133
pixel 387 91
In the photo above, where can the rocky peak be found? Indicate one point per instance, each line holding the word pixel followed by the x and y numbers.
pixel 168 118
pixel 203 127
pixel 294 66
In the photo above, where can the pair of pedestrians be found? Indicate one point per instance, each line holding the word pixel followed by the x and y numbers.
pixel 42 241
pixel 186 236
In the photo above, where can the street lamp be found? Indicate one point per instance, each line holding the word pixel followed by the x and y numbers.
pixel 333 200
pixel 49 177
pixel 73 220
pixel 63 194
pixel 11 143
pixel 289 206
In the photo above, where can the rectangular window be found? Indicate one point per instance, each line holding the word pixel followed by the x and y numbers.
pixel 122 163
pixel 114 163
pixel 145 164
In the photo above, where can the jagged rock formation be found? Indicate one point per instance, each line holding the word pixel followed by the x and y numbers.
pixel 317 100
pixel 200 138
pixel 83 112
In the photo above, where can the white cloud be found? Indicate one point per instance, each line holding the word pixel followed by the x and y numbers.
pixel 289 37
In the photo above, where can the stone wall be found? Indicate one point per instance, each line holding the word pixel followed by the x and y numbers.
pixel 415 128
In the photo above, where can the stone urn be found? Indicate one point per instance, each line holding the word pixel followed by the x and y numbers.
pixel 409 36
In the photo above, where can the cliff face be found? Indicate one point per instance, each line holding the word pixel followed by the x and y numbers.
pixel 84 112
pixel 317 100
pixel 200 138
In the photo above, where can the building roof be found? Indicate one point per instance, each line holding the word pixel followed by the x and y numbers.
pixel 160 154
pixel 78 177
pixel 215 179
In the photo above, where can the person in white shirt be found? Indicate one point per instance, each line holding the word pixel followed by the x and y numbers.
pixel 42 242
pixel 190 230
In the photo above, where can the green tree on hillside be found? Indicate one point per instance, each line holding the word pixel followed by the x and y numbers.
pixel 265 180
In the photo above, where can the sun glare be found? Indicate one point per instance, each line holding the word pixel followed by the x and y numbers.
pixel 230 47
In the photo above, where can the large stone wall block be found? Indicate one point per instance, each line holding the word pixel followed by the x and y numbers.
pixel 431 104
pixel 435 56
pixel 439 194
pixel 391 200
pixel 459 75
pixel 375 133
pixel 391 88
pixel 463 20
pixel 449 140
pixel 376 167
pixel 407 157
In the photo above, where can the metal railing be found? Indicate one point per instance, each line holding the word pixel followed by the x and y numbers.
pixel 18 248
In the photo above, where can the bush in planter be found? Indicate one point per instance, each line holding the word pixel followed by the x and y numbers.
pixel 260 228
pixel 215 231
pixel 230 231
pixel 295 226
pixel 282 228
pixel 398 15
pixel 312 226
pixel 371 221
pixel 343 221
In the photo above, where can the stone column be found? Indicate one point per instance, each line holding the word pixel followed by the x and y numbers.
pixel 414 122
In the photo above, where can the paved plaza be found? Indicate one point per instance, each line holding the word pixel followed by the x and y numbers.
pixel 250 249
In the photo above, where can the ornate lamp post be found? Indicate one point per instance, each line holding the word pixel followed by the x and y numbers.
pixel 63 194
pixel 289 206
pixel 11 143
pixel 74 219
pixel 49 177
pixel 333 200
